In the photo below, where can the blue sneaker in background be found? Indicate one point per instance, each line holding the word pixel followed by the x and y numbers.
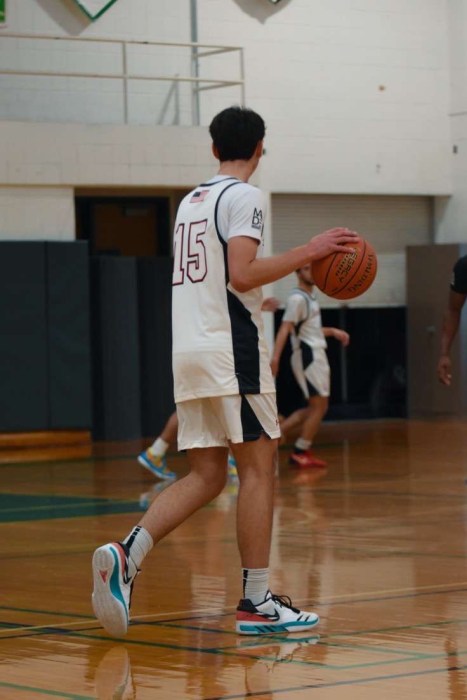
pixel 156 464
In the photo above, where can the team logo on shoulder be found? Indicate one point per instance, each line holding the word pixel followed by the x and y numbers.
pixel 257 220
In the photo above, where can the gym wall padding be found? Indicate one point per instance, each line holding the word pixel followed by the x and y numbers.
pixel 45 374
pixel 155 320
pixel 115 334
pixel 23 337
pixel 68 327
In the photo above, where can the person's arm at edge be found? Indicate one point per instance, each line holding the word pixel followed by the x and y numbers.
pixel 281 338
pixel 451 322
pixel 340 335
pixel 247 272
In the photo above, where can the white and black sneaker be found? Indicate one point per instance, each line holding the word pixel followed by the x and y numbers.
pixel 274 614
pixel 114 573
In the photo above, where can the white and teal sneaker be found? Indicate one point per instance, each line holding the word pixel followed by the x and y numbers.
pixel 156 464
pixel 114 573
pixel 275 614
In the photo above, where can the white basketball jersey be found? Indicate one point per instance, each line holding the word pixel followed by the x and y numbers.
pixel 218 336
pixel 304 312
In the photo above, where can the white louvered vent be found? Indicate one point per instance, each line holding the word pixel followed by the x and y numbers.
pixel 390 223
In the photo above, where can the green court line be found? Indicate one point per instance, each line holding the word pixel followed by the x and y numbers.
pixel 173 623
pixel 334 684
pixel 43 691
pixel 235 652
pixel 34 611
pixel 374 552
pixel 298 662
pixel 57 510
pixel 88 503
pixel 392 494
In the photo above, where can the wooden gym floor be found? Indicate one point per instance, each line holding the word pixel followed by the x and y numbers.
pixel 376 545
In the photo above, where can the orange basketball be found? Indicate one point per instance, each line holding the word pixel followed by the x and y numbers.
pixel 346 275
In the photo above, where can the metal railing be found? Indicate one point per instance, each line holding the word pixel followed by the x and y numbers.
pixel 197 52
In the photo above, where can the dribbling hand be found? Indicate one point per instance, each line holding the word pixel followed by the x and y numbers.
pixel 335 240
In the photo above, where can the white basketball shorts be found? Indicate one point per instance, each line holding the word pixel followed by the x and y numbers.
pixel 217 420
pixel 311 370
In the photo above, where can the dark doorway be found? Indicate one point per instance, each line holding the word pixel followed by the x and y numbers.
pixel 125 226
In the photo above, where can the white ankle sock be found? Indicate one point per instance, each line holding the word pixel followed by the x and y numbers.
pixel 255 584
pixel 302 444
pixel 159 447
pixel 140 543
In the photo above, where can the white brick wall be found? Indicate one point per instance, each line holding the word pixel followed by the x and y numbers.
pixel 28 212
pixel 452 213
pixel 315 68
pixel 355 93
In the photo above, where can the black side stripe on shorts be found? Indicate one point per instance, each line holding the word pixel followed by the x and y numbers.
pixel 307 360
pixel 251 427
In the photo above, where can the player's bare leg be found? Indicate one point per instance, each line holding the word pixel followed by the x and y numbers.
pixel 116 564
pixel 154 458
pixel 169 433
pixel 260 611
pixel 318 406
pixel 302 455
pixel 205 481
pixel 256 468
pixel 293 422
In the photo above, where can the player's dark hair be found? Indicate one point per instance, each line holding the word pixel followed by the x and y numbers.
pixel 236 132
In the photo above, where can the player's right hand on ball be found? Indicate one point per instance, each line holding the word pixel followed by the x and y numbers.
pixel 335 240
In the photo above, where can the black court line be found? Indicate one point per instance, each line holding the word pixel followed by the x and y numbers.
pixel 270 640
pixel 171 622
pixel 336 684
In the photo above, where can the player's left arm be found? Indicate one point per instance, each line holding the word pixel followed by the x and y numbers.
pixel 340 335
pixel 451 322
pixel 270 304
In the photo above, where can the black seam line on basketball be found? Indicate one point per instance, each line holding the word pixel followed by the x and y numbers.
pixel 348 281
pixel 329 269
pixel 334 684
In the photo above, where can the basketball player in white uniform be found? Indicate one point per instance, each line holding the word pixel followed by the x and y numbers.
pixel 224 388
pixel 302 321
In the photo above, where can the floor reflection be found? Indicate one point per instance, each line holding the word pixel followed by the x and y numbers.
pixel 113 679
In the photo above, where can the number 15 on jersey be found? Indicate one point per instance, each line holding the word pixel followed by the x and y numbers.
pixel 190 253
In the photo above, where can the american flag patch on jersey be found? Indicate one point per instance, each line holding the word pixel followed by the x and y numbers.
pixel 199 196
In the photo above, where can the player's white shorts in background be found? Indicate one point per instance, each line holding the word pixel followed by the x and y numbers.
pixel 314 378
pixel 216 420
